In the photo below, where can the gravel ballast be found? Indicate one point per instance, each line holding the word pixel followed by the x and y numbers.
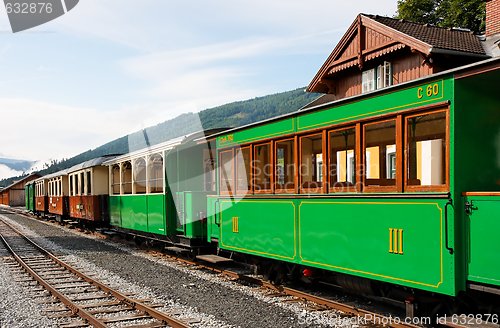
pixel 206 299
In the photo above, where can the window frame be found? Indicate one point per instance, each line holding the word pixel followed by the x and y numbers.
pixel 324 183
pixel 250 179
pixel 229 192
pixel 436 188
pixel 271 169
pixel 344 188
pixel 152 183
pixel 277 189
pixel 397 187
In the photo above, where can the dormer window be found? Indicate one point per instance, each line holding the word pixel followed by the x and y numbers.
pixel 377 78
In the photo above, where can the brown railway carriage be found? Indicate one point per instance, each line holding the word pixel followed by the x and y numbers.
pixel 57 190
pixel 88 190
pixel 41 196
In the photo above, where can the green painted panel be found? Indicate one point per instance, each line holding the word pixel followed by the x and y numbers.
pixel 265 228
pixel 410 97
pixel 212 212
pixel 398 242
pixel 114 211
pixel 273 129
pixel 484 224
pixel 156 214
pixel 134 212
pixel 195 205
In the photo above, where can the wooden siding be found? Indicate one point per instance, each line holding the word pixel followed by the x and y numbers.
pixel 374 39
pixel 409 66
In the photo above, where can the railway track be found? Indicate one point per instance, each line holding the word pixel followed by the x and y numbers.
pixel 80 298
pixel 367 317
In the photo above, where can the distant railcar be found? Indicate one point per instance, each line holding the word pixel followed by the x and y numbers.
pixel 57 194
pixel 41 206
pixel 161 191
pixel 29 193
pixel 88 191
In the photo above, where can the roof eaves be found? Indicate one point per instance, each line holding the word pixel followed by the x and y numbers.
pixel 410 41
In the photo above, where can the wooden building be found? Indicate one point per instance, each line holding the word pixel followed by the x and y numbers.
pixel 378 52
pixel 14 195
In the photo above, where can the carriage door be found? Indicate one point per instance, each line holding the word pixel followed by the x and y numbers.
pixel 482 212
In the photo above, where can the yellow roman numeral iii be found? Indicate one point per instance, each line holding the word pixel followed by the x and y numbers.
pixel 235 224
pixel 395 241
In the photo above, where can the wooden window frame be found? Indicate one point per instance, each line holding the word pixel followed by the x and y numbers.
pixel 277 189
pixel 433 188
pixel 243 191
pixel 398 186
pixel 149 169
pixel 136 182
pixel 221 168
pixel 123 183
pixel 271 169
pixel 346 188
pixel 324 183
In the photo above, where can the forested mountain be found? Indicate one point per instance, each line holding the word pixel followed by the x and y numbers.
pixel 228 115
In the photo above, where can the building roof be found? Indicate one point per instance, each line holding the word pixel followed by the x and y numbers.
pixel 91 163
pixel 437 37
pixel 371 36
pixel 32 176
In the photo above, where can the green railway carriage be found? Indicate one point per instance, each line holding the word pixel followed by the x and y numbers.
pixel 160 191
pixel 29 190
pixel 400 185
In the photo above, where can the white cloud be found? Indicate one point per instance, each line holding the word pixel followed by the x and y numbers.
pixel 48 130
pixel 7 172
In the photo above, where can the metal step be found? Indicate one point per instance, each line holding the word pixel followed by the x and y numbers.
pixel 213 258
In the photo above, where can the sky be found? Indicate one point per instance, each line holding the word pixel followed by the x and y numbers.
pixel 111 67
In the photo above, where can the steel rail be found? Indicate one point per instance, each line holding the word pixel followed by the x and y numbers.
pixel 162 317
pixel 349 309
pixel 368 316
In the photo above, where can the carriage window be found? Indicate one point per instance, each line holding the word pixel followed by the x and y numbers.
pixel 75 184
pixel 89 183
pixel 127 178
pixel 155 167
pixel 380 154
pixel 208 166
pixel 311 161
pixel 71 191
pixel 342 158
pixel 82 184
pixel 115 179
pixel 140 176
pixel 262 168
pixel 226 172
pixel 243 176
pixel 426 149
pixel 285 166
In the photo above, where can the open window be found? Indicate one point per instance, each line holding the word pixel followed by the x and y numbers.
pixel 285 165
pixel 311 163
pixel 226 172
pixel 126 178
pixel 115 179
pixel 342 164
pixel 262 168
pixel 155 167
pixel 243 172
pixel 380 156
pixel 139 176
pixel 426 153
pixel 209 170
pixel 89 182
